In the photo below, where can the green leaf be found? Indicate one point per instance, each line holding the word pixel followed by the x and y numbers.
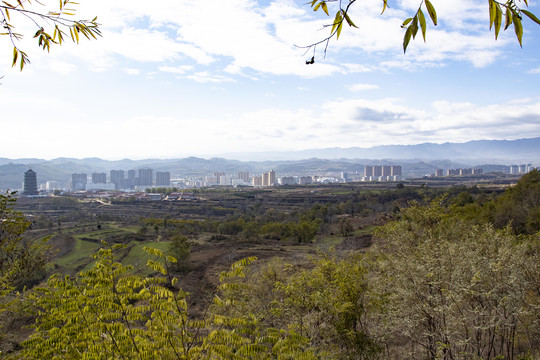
pixel 498 20
pixel 317 6
pixel 531 16
pixel 518 28
pixel 407 38
pixel 422 19
pixel 431 11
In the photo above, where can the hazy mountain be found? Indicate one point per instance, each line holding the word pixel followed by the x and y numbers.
pixel 488 151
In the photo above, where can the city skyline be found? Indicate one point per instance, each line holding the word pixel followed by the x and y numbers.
pixel 101 182
pixel 227 77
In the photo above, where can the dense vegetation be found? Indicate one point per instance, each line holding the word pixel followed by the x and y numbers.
pixel 448 276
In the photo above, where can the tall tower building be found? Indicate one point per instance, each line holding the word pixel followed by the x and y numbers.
pixel 272 178
pixel 30 183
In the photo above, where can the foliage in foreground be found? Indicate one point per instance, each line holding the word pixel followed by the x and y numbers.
pixel 104 313
pixel 435 287
pixel 19 260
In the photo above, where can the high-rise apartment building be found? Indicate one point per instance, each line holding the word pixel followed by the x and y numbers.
pixel 117 178
pixel 99 178
pixel 266 179
pixel 163 178
pixel 257 181
pixel 244 176
pixel 287 180
pixel 272 178
pixel 30 183
pixel 131 179
pixel 146 177
pixel 305 180
pixel 78 181
pixel 368 171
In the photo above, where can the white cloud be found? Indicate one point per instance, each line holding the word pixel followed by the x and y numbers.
pixel 61 67
pixel 182 69
pixel 206 77
pixel 534 71
pixel 131 71
pixel 362 87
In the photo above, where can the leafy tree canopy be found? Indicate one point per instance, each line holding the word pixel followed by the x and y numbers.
pixel 509 14
pixel 52 26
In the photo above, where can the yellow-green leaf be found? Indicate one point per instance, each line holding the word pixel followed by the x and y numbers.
pixel 325 8
pixel 518 28
pixel 406 22
pixel 407 38
pixel 338 31
pixel 422 19
pixel 492 13
pixel 531 16
pixel 498 20
pixel 337 20
pixel 414 26
pixel 385 5
pixel 431 11
pixel 508 19
pixel 349 21
pixel 15 54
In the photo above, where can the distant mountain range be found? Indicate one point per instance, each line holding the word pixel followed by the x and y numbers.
pixel 490 151
pixel 416 160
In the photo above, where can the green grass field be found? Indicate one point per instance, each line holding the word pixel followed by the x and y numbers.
pixel 87 243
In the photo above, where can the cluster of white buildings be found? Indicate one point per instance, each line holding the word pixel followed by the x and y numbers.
pixel 521 169
pixel 139 179
pixel 382 173
pixel 458 172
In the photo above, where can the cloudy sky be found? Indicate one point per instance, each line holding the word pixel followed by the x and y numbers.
pixel 179 78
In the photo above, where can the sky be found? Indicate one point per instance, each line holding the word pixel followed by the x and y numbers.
pixel 179 78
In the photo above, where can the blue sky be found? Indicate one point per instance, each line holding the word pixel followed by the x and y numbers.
pixel 182 78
